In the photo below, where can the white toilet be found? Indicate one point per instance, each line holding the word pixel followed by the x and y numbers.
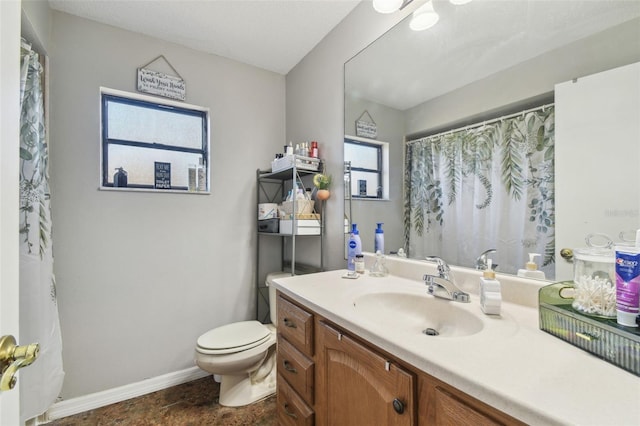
pixel 244 355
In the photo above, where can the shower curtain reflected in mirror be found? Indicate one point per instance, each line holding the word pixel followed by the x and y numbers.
pixel 40 383
pixel 493 181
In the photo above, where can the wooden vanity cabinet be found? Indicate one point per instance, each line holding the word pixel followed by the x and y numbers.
pixel 330 378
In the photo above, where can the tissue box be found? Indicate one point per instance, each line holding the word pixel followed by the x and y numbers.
pixel 267 211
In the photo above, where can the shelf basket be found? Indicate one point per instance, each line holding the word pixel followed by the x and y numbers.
pixel 302 207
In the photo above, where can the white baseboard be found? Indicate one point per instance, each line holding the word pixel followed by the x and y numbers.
pixel 110 396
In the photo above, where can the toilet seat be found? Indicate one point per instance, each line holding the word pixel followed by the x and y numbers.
pixel 232 338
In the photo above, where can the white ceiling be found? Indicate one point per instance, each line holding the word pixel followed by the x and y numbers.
pixel 270 34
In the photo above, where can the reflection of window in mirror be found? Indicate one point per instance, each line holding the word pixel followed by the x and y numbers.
pixel 369 167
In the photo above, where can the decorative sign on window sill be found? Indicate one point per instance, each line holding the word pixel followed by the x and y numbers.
pixel 366 129
pixel 158 83
pixel 163 175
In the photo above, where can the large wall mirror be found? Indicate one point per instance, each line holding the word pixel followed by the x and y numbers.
pixel 490 60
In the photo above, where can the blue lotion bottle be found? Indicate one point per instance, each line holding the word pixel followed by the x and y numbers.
pixel 354 247
pixel 379 241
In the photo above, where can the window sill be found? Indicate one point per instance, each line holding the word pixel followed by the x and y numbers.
pixel 369 199
pixel 165 191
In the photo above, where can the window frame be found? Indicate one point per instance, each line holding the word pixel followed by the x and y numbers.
pixel 154 103
pixel 380 147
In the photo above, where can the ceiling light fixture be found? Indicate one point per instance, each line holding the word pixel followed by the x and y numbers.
pixel 390 6
pixel 424 17
pixel 386 6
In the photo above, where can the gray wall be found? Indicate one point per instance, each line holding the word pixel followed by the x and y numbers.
pixel 141 275
pixel 315 104
pixel 36 24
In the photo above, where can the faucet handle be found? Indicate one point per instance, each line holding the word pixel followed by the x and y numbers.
pixel 461 296
pixel 443 268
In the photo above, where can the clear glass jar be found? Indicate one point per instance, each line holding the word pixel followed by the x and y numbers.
pixel 359 263
pixel 594 278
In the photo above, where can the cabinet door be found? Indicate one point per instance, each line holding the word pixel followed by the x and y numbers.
pixel 596 128
pixel 451 411
pixel 444 405
pixel 357 386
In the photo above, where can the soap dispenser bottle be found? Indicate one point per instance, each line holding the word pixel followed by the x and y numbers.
pixel 120 178
pixel 531 269
pixel 379 269
pixel 379 240
pixel 490 292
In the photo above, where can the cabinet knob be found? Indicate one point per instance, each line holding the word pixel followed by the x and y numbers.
pixel 398 406
pixel 289 323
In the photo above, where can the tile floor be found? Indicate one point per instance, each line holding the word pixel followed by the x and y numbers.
pixel 190 404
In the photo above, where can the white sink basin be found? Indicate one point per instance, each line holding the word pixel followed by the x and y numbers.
pixel 416 313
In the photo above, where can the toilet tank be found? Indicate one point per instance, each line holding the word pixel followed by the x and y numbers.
pixel 272 293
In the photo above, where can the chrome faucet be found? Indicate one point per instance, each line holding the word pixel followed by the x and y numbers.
pixel 443 268
pixel 442 285
pixel 481 261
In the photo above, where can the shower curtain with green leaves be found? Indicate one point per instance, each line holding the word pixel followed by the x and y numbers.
pixel 41 382
pixel 486 186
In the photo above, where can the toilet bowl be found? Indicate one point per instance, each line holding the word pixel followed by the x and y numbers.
pixel 243 355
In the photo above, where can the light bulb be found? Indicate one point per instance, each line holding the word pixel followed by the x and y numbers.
pixel 424 17
pixel 386 6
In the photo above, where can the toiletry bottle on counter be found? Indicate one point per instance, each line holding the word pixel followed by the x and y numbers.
pixel 379 240
pixel 354 247
pixel 490 292
pixel 531 269
pixel 628 283
pixel 379 269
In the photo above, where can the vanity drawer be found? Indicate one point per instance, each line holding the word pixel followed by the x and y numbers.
pixel 296 325
pixel 292 410
pixel 296 368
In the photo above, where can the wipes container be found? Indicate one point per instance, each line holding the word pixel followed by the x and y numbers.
pixel 267 211
pixel 594 278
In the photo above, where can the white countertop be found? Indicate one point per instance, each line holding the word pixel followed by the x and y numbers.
pixel 511 364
